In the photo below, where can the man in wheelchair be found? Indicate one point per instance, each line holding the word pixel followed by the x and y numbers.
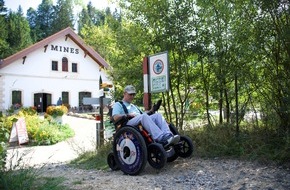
pixel 153 122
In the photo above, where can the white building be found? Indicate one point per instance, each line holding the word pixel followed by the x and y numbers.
pixel 58 66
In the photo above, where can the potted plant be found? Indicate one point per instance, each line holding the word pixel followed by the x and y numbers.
pixel 56 112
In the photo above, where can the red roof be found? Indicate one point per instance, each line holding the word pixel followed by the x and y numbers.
pixel 65 32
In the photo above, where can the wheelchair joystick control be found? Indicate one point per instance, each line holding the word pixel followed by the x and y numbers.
pixel 157 105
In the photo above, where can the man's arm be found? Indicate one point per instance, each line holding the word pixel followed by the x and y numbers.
pixel 119 116
pixel 118 111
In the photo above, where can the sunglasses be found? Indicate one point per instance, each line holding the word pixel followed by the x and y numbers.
pixel 132 94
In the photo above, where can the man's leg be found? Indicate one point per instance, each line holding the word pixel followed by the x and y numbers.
pixel 148 124
pixel 158 119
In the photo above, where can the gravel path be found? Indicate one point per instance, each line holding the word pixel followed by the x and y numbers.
pixel 183 174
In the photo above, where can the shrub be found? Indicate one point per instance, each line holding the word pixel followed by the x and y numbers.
pixel 44 132
pixel 51 133
pixel 29 179
pixel 55 111
pixel 40 131
pixel 27 111
pixel 4 137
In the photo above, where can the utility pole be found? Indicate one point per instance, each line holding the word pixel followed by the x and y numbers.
pixel 147 95
pixel 101 113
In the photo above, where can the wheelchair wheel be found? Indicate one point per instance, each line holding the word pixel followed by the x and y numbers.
pixel 156 155
pixel 185 147
pixel 130 150
pixel 112 162
pixel 171 154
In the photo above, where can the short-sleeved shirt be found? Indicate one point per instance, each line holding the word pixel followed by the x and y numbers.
pixel 118 108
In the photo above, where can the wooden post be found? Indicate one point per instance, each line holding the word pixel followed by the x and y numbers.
pixel 101 114
pixel 147 95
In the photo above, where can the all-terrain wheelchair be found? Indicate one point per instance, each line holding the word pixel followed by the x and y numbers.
pixel 133 146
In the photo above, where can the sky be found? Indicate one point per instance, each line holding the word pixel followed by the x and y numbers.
pixel 25 4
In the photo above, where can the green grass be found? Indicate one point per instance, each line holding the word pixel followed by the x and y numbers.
pixel 261 144
pixel 29 179
pixel 93 159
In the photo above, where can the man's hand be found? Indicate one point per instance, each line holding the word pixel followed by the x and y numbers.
pixel 131 115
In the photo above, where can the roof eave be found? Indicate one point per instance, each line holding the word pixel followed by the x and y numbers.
pixel 68 32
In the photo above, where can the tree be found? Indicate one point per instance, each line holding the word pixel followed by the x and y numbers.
pixel 171 27
pixel 113 44
pixel 44 19
pixel 4 46
pixel 230 56
pixel 19 31
pixel 84 19
pixel 63 16
pixel 90 16
pixel 272 37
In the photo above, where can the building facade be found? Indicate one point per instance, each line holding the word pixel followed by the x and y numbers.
pixel 60 66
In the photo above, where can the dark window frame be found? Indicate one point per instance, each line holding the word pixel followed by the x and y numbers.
pixel 16 97
pixel 65 97
pixel 54 65
pixel 74 67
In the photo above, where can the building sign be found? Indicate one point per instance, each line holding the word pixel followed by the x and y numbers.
pixel 19 132
pixel 65 49
pixel 159 72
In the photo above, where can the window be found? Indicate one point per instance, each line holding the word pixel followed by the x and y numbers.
pixel 16 99
pixel 64 64
pixel 54 65
pixel 83 95
pixel 74 67
pixel 65 98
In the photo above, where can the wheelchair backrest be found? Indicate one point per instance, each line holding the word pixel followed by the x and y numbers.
pixel 123 120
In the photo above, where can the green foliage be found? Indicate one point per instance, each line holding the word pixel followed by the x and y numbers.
pixel 56 111
pixel 15 33
pixel 40 131
pixel 43 132
pixel 94 159
pixel 4 137
pixel 50 133
pixel 63 15
pixel 40 20
pixel 254 143
pixel 29 179
pixel 19 35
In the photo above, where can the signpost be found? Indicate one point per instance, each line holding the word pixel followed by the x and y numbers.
pixel 95 101
pixel 155 76
pixel 101 101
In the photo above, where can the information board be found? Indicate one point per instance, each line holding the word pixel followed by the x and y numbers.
pixel 159 72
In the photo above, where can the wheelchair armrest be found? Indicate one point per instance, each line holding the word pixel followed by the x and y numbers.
pixel 155 107
pixel 121 121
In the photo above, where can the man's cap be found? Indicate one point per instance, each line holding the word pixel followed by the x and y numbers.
pixel 130 89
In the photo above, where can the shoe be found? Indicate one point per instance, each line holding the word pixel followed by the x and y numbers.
pixel 176 139
pixel 169 139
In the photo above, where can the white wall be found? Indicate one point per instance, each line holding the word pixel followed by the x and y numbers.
pixel 36 76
